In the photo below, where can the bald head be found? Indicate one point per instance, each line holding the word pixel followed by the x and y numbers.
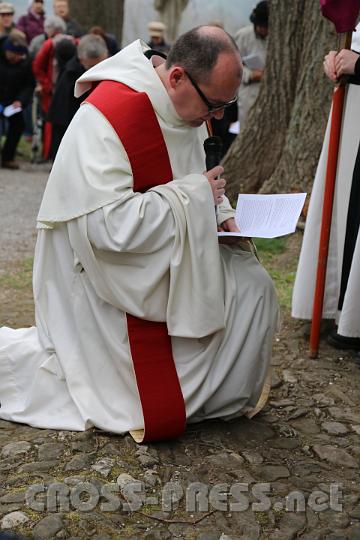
pixel 202 74
pixel 198 51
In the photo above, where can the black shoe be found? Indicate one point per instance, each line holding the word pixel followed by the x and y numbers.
pixel 12 165
pixel 342 342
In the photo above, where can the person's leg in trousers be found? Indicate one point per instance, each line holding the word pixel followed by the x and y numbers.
pixel 15 129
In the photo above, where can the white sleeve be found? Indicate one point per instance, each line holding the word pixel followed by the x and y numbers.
pixel 144 223
pixel 224 211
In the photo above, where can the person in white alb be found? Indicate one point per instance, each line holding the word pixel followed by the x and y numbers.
pixel 342 287
pixel 115 254
pixel 252 43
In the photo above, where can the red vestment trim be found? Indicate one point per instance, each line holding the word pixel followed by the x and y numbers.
pixel 133 118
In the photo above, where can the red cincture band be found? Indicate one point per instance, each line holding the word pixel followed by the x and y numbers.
pixel 133 118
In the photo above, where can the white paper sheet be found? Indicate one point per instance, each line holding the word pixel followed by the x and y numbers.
pixel 10 110
pixel 253 61
pixel 234 128
pixel 267 216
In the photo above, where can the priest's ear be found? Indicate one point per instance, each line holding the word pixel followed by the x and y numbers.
pixel 177 77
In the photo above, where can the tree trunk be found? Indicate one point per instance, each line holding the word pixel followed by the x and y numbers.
pixel 105 13
pixel 170 12
pixel 278 149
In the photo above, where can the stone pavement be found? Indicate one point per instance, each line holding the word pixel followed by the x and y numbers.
pixel 291 472
pixel 20 196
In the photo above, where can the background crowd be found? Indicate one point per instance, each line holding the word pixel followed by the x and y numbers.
pixel 41 56
pixel 40 59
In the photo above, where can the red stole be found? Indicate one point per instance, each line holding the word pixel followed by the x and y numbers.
pixel 133 118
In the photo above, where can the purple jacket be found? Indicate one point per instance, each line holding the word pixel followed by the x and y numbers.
pixel 32 25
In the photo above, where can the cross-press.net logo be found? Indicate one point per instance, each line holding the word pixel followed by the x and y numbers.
pixel 195 497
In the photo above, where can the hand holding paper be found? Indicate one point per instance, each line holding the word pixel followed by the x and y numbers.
pixel 254 61
pixel 267 216
pixel 10 110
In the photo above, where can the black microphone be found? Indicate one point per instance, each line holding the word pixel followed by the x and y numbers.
pixel 213 148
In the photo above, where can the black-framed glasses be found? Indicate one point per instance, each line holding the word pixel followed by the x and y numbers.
pixel 211 106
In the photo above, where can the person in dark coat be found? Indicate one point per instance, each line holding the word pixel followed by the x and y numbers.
pixel 65 50
pixel 16 89
pixel 90 51
pixel 110 39
pixel 32 24
pixel 157 37
pixel 61 8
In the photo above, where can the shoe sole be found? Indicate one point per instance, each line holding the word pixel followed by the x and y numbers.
pixel 341 345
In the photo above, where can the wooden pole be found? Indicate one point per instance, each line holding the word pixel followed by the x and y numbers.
pixel 330 179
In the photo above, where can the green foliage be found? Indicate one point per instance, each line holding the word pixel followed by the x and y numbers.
pixel 18 279
pixel 272 254
pixel 284 282
pixel 268 247
pixel 24 149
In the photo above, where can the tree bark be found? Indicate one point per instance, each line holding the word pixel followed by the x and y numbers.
pixel 279 146
pixel 105 13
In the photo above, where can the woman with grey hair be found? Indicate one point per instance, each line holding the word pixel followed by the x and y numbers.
pixel 45 69
pixel 53 25
pixel 91 50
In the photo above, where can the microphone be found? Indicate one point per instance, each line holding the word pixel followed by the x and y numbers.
pixel 213 148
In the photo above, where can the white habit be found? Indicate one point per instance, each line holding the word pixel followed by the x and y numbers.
pixel 103 251
pixel 249 44
pixel 348 319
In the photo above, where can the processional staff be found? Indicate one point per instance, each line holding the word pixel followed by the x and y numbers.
pixel 343 13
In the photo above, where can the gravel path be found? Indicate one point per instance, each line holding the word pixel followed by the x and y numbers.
pixel 292 471
pixel 20 196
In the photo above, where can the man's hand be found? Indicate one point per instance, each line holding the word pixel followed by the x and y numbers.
pixel 256 75
pixel 16 104
pixel 228 226
pixel 217 185
pixel 345 62
pixel 329 65
pixel 338 64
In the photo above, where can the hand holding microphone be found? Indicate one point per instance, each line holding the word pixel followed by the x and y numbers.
pixel 217 184
pixel 212 147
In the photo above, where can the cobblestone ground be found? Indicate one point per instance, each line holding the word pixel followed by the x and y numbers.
pixel 233 480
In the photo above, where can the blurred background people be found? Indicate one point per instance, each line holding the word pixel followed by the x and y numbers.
pixel 53 25
pixel 110 40
pixel 16 89
pixel 157 37
pixel 7 12
pixel 61 8
pixel 91 50
pixel 220 126
pixel 46 71
pixel 32 24
pixel 252 40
